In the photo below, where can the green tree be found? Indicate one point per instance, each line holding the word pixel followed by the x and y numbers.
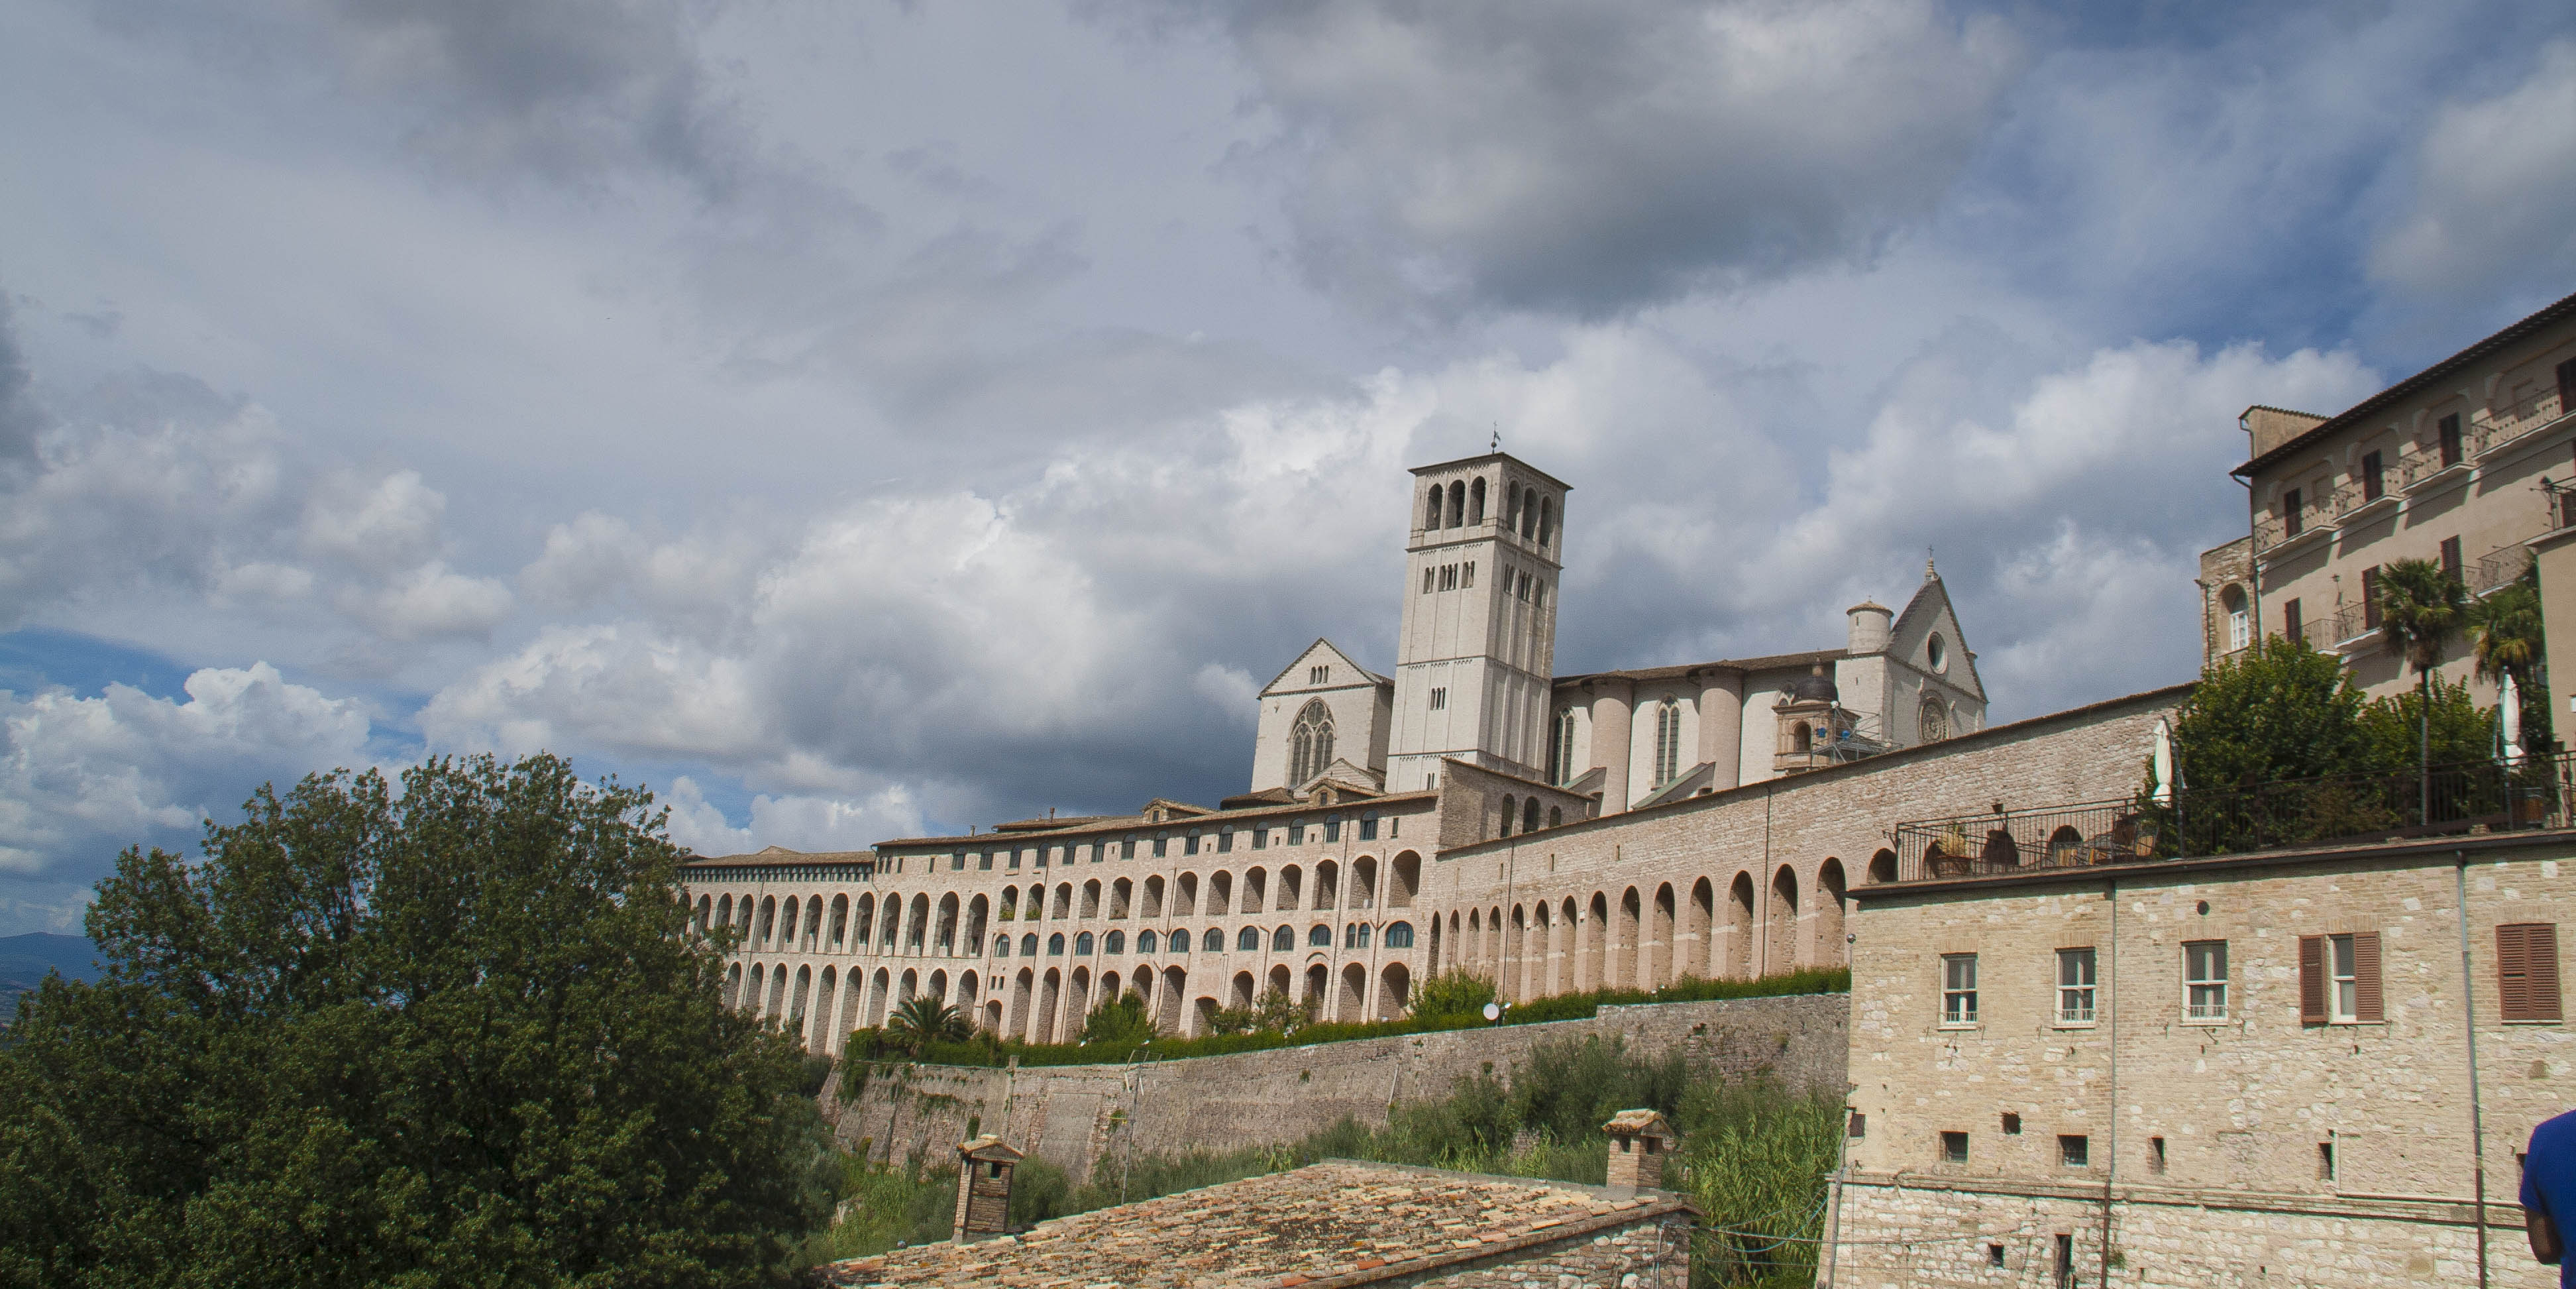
pixel 2279 710
pixel 2396 731
pixel 1455 992
pixel 923 1020
pixel 2421 606
pixel 2507 635
pixel 1117 1022
pixel 459 1035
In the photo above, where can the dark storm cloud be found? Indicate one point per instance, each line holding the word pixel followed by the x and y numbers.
pixel 1588 158
pixel 570 90
pixel 19 420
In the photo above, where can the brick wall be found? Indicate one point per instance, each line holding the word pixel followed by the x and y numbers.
pixel 2244 1106
pixel 1071 1115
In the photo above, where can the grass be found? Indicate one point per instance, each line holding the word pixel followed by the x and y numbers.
pixel 1754 1158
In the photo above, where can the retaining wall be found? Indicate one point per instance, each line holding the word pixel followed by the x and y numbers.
pixel 1071 1115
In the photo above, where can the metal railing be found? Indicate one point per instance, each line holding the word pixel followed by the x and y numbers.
pixel 2351 622
pixel 2423 463
pixel 2498 567
pixel 2347 809
pixel 2357 493
pixel 2496 427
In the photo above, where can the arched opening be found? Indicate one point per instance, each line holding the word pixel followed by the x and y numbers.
pixel 1050 997
pixel 1546 521
pixel 2065 846
pixel 759 981
pixel 2238 624
pixel 880 990
pixel 1220 892
pixel 1281 978
pixel 1077 1002
pixel 768 921
pixel 1595 972
pixel 978 915
pixel 1623 959
pixel 724 912
pixel 1932 720
pixel 1457 504
pixel 1153 906
pixel 1283 940
pixel 937 988
pixel 1202 1016
pixel 1698 925
pixel 1659 940
pixel 1781 953
pixel 1255 889
pixel 853 998
pixel 1832 908
pixel 1176 983
pixel 919 917
pixel 1121 897
pixel 813 924
pixel 993 1014
pixel 1739 926
pixel 1508 809
pixel 1350 1005
pixel 1510 980
pixel 1023 994
pixel 1091 898
pixel 777 993
pixel 1404 877
pixel 1476 501
pixel 1882 866
pixel 1328 877
pixel 1529 815
pixel 1185 895
pixel 1288 880
pixel 706 910
pixel 821 1040
pixel 2000 851
pixel 1318 977
pixel 948 923
pixel 1802 739
pixel 1364 882
pixel 907 987
pixel 1239 990
pixel 1063 901
pixel 1319 936
pixel 1395 991
pixel 733 985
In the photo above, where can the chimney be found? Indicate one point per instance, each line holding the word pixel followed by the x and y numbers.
pixel 1870 625
pixel 983 1189
pixel 1639 1140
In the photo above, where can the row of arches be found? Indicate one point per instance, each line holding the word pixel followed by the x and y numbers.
pixel 1047 1006
pixel 1281 939
pixel 873 923
pixel 1646 937
pixel 1461 503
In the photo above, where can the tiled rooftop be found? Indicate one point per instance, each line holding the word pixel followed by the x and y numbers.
pixel 1333 1223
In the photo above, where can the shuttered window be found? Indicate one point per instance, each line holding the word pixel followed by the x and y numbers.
pixel 2527 970
pixel 2339 980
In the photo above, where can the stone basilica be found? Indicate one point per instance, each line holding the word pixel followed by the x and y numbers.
pixel 1473 808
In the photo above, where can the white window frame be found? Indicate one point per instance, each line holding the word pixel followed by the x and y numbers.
pixel 2076 998
pixel 1958 991
pixel 2343 981
pixel 2204 996
pixel 2240 630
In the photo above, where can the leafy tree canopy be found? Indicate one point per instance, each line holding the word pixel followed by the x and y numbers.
pixel 462 1035
pixel 2278 710
pixel 1118 1021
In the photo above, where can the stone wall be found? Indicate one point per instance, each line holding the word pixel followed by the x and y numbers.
pixel 1071 1115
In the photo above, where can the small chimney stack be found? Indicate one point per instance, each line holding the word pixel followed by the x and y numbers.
pixel 1639 1140
pixel 983 1189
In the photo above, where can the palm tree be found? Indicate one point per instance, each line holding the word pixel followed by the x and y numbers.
pixel 922 1020
pixel 2506 630
pixel 2420 605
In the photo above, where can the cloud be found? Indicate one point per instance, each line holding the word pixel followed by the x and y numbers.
pixel 83 777
pixel 429 602
pixel 383 526
pixel 2495 185
pixel 1590 158
pixel 19 420
pixel 806 823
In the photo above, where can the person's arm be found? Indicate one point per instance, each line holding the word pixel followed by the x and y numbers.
pixel 2545 1243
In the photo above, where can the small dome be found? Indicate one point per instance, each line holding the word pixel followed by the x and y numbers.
pixel 1814 687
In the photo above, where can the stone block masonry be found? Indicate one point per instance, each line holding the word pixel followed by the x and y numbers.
pixel 1074 1115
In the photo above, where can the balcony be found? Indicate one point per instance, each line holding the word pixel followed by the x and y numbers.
pixel 2502 427
pixel 2277 536
pixel 2351 809
pixel 2497 568
pixel 2431 470
pixel 2359 502
pixel 2351 627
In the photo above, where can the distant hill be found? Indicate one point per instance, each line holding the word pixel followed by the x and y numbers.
pixel 24 960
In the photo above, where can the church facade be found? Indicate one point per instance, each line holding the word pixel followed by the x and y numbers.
pixel 1468 807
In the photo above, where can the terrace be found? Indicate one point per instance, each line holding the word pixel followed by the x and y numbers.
pixel 2340 810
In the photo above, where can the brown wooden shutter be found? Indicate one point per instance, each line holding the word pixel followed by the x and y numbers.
pixel 2513 972
pixel 2312 980
pixel 2366 1006
pixel 2541 952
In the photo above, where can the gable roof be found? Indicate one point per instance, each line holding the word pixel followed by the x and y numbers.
pixel 2514 333
pixel 1332 651
pixel 1932 601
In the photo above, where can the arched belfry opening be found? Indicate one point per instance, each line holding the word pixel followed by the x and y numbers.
pixel 1310 743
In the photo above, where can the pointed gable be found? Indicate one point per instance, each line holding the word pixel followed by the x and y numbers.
pixel 1342 671
pixel 1927 615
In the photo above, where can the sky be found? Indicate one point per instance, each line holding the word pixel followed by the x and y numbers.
pixel 856 421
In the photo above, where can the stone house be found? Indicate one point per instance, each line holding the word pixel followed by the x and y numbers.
pixel 2448 464
pixel 2241 1070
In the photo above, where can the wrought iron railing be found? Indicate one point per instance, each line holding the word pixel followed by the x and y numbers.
pixel 2424 463
pixel 2352 622
pixel 2526 416
pixel 2498 567
pixel 2343 809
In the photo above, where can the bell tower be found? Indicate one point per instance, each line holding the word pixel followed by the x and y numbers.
pixel 1475 662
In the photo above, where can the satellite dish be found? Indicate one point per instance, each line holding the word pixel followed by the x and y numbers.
pixel 1493 1011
